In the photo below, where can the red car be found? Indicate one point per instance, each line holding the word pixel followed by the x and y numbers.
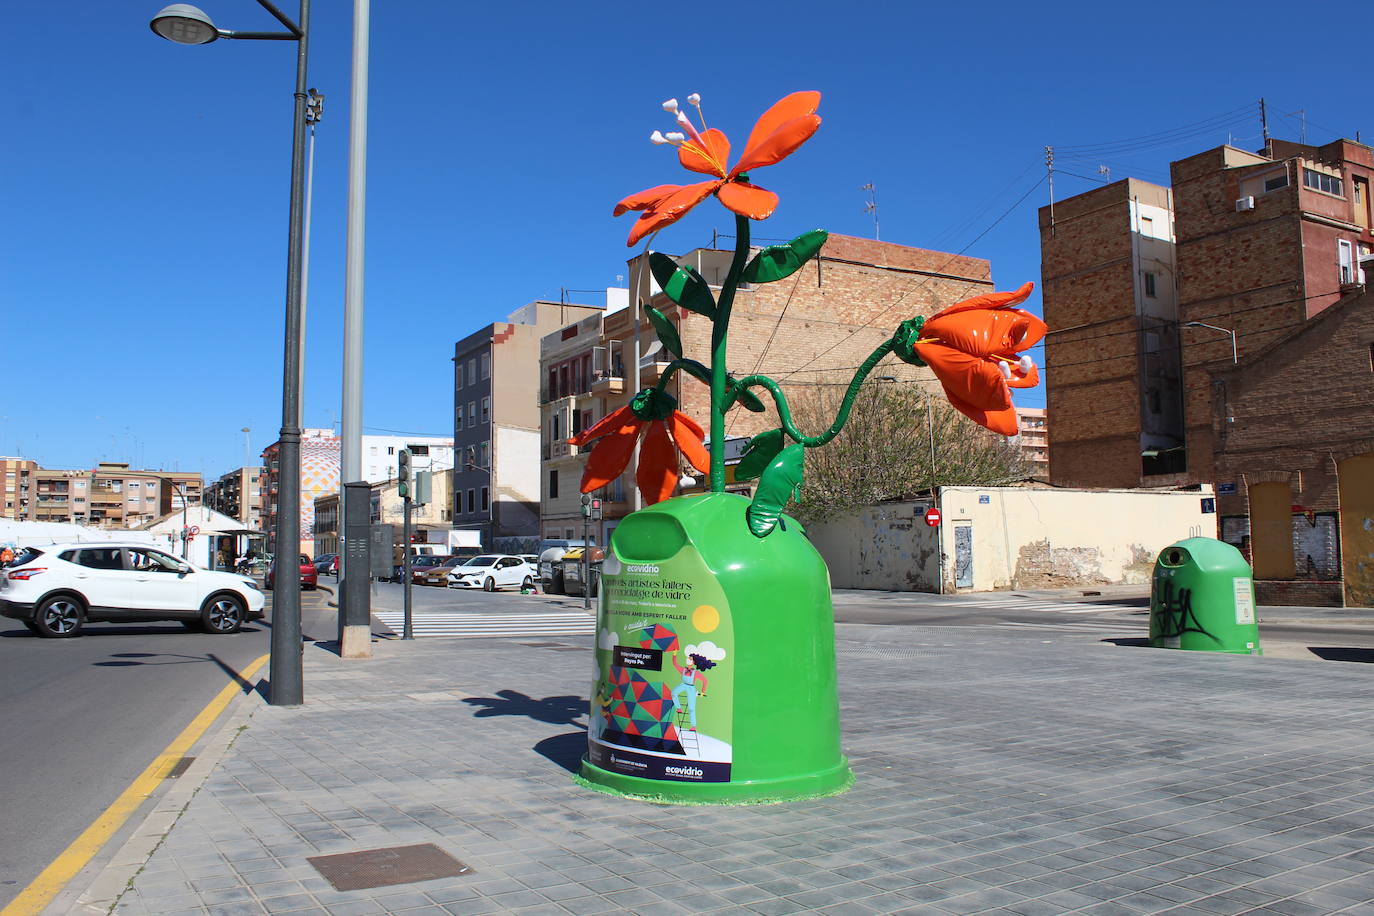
pixel 309 578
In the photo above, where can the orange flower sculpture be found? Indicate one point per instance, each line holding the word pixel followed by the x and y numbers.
pixel 972 347
pixel 779 132
pixel 665 429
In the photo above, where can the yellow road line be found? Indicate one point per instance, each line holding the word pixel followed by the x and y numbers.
pixel 68 865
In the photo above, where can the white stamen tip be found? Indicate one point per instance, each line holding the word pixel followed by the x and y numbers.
pixel 657 138
pixel 670 105
pixel 674 136
pixel 695 98
pixel 1004 369
pixel 1026 364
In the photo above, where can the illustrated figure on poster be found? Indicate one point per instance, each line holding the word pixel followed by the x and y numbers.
pixel 693 674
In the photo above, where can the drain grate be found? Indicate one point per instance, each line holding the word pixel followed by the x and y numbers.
pixel 355 871
pixel 181 766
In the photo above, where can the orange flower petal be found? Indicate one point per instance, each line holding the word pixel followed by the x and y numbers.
pixel 989 301
pixel 689 441
pixel 691 424
pixel 607 424
pixel 646 199
pixel 796 105
pixel 748 199
pixel 610 457
pixel 977 382
pixel 712 159
pixel 1026 330
pixel 778 145
pixel 658 469
pixel 670 209
pixel 1002 421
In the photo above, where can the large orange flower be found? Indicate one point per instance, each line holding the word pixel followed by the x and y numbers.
pixel 778 133
pixel 653 414
pixel 972 347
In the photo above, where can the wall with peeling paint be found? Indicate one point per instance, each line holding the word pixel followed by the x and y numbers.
pixel 1017 538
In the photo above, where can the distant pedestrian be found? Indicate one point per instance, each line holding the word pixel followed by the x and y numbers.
pixel 6 556
pixel 241 564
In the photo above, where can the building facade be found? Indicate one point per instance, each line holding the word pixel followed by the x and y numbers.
pixel 805 331
pixel 1293 425
pixel 1151 291
pixel 1034 440
pixel 15 478
pixel 239 494
pixel 111 495
pixel 496 421
pixel 319 476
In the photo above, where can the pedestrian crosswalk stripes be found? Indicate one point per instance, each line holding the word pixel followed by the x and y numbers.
pixel 478 626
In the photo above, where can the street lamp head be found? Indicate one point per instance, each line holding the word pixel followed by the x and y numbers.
pixel 184 24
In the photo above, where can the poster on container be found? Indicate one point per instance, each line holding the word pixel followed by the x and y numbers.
pixel 662 702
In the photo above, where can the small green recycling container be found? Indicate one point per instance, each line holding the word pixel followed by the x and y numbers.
pixel 1202 597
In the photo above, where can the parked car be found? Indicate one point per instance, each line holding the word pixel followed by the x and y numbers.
pixel 58 588
pixel 309 578
pixel 491 571
pixel 572 569
pixel 421 565
pixel 438 575
pixel 327 563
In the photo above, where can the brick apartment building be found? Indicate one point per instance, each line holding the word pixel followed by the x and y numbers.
pixel 1293 425
pixel 1251 243
pixel 239 494
pixel 111 495
pixel 496 421
pixel 1149 320
pixel 813 327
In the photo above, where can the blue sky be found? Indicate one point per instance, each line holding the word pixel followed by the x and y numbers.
pixel 142 257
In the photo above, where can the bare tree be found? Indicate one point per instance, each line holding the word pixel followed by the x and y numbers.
pixel 884 452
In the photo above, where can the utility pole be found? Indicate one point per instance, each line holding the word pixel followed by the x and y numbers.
pixel 935 502
pixel 1264 122
pixel 355 631
pixel 403 487
pixel 586 552
pixel 1049 172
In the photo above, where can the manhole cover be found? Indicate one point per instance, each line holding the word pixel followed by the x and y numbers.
pixel 355 871
pixel 180 767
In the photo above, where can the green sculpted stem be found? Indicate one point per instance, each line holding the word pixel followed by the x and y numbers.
pixel 785 415
pixel 718 346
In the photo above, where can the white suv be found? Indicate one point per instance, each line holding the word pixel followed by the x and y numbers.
pixel 55 589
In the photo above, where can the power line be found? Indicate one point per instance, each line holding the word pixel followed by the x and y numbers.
pixel 1159 138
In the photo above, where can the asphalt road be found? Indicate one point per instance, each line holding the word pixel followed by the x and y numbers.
pixel 82 718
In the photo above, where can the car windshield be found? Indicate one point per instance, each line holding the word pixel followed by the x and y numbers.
pixel 481 561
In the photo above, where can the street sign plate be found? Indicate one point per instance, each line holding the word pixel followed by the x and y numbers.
pixel 932 516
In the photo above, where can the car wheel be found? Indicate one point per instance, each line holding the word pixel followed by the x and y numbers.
pixel 489 585
pixel 222 614
pixel 59 617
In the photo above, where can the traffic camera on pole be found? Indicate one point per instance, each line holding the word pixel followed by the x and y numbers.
pixel 403 473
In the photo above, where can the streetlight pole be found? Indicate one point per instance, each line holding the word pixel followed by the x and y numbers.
pixel 1198 324
pixel 185 24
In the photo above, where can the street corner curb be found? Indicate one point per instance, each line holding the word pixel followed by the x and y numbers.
pixel 103 891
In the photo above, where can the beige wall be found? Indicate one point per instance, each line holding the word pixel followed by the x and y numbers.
pixel 1021 538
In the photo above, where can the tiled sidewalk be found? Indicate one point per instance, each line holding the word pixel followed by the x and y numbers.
pixel 993 775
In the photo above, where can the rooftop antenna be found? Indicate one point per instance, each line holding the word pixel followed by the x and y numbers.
pixel 1049 174
pixel 1105 172
pixel 871 207
pixel 1302 115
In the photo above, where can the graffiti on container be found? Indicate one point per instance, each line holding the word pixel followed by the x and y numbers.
pixel 1175 613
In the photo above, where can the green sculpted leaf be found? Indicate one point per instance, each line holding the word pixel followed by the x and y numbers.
pixel 683 285
pixel 760 450
pixel 779 483
pixel 733 393
pixel 778 261
pixel 666 332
